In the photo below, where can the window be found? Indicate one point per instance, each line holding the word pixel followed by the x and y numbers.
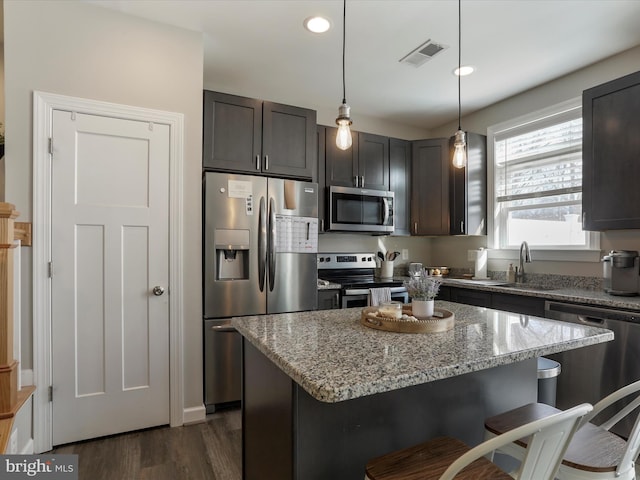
pixel 537 181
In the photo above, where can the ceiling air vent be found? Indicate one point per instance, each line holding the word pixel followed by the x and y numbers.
pixel 424 52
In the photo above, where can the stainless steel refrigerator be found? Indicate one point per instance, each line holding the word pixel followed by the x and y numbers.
pixel 259 252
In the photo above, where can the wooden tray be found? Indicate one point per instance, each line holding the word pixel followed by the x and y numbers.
pixel 440 322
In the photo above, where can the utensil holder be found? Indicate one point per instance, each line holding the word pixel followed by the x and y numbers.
pixel 386 269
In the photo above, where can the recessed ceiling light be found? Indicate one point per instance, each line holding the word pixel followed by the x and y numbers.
pixel 464 70
pixel 317 24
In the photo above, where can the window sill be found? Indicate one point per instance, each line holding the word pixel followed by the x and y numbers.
pixel 549 255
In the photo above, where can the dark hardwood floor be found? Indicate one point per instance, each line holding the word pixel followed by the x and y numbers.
pixel 208 451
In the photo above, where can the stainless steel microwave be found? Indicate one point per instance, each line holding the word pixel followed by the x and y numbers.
pixel 360 210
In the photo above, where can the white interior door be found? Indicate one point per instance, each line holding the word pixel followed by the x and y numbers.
pixel 109 249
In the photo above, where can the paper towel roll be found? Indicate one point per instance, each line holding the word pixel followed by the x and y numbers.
pixel 481 265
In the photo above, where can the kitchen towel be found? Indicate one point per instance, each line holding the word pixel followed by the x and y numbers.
pixel 379 295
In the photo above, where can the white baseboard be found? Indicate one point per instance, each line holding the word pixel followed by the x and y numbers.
pixel 194 414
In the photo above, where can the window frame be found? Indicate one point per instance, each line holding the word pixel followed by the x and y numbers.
pixel 547 116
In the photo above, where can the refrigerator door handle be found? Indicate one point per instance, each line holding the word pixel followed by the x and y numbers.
pixel 262 243
pixel 272 244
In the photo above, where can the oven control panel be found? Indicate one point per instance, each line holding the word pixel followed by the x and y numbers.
pixel 346 260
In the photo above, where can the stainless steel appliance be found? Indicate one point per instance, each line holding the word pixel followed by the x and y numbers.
pixel 621 272
pixel 360 210
pixel 355 272
pixel 591 373
pixel 259 256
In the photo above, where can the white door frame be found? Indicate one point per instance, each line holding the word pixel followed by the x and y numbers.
pixel 43 106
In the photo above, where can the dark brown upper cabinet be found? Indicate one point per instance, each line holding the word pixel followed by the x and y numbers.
pixel 364 165
pixel 468 189
pixel 253 136
pixel 320 178
pixel 611 155
pixel 430 187
pixel 400 184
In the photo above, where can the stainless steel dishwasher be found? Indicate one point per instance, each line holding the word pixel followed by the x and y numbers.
pixel 591 373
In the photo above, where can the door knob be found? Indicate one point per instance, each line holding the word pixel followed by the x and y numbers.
pixel 158 290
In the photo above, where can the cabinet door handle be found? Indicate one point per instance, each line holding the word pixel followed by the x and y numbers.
pixel 415 228
pixel 336 300
pixel 362 181
pixel 257 162
pixel 355 181
pixel 266 162
pixel 461 226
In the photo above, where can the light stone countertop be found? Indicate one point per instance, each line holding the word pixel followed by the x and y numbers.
pixel 335 358
pixel 596 297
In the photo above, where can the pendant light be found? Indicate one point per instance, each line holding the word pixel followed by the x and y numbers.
pixel 343 138
pixel 459 141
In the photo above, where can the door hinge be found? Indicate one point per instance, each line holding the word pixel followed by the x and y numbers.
pixel 50 146
pixel 50 393
pixel 50 267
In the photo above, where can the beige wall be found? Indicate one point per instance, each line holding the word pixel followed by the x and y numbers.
pixel 81 50
pixel 453 250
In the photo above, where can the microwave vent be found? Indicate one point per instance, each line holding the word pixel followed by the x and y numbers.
pixel 423 53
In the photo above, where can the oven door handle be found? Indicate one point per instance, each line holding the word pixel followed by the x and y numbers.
pixel 365 291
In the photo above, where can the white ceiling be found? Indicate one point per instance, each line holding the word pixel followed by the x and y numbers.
pixel 259 48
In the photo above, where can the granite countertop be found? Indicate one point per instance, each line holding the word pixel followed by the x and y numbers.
pixel 560 293
pixel 585 290
pixel 335 358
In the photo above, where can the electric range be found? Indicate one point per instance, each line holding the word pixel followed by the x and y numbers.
pixel 355 272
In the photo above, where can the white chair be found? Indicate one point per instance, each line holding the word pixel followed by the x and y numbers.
pixel 444 458
pixel 594 452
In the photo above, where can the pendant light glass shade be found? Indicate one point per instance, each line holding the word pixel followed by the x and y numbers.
pixel 460 150
pixel 459 142
pixel 343 138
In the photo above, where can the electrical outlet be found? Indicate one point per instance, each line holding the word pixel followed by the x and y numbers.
pixel 405 254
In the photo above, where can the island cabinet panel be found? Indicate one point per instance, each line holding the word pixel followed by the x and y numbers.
pixel 468 189
pixel 400 184
pixel 518 304
pixel 610 155
pixel 364 165
pixel 335 440
pixel 267 418
pixel 253 136
pixel 430 187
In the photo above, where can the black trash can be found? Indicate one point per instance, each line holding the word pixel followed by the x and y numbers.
pixel 548 371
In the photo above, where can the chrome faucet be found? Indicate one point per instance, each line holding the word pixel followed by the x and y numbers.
pixel 525 257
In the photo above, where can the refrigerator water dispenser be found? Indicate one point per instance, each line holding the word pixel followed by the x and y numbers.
pixel 232 254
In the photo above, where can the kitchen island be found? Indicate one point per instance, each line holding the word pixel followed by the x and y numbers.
pixel 322 393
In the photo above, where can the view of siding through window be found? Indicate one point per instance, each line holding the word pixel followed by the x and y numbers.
pixel 539 184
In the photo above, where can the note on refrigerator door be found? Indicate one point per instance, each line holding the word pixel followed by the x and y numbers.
pixel 239 189
pixel 296 234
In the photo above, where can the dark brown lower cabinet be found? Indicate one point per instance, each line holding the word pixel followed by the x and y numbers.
pixel 328 299
pixel 500 301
